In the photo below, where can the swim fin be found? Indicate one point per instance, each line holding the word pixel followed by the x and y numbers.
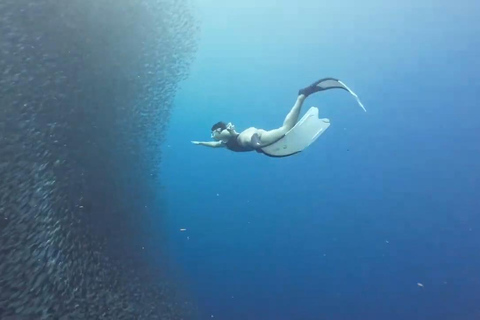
pixel 320 85
pixel 328 83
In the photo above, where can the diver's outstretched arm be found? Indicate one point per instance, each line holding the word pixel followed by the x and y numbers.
pixel 211 144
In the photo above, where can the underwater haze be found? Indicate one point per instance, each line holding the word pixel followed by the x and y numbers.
pixel 108 211
pixel 379 218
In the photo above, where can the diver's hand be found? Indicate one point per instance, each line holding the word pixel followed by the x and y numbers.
pixel 196 142
pixel 230 127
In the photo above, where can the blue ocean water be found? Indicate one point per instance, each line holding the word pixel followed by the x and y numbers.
pixel 379 219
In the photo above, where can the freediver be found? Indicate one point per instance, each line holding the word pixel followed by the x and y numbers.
pixel 254 139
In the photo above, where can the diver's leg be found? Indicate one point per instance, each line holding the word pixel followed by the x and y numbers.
pixel 292 117
pixel 268 137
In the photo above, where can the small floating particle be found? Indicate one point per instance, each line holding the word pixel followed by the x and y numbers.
pixel 420 284
pixel 183 229
pixel 386 241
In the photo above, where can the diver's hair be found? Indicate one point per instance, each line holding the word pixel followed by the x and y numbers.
pixel 219 124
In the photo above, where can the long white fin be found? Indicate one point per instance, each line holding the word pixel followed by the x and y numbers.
pixel 353 94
